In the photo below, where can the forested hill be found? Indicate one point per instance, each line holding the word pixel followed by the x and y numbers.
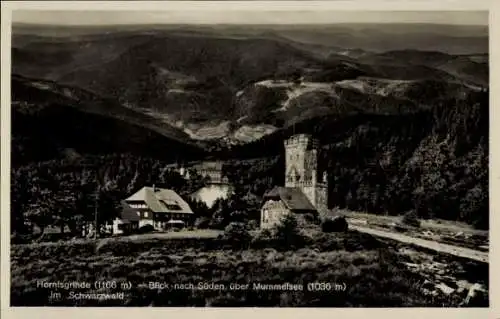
pixel 434 161
pixel 50 121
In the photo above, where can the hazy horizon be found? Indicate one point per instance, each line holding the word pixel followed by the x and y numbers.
pixel 222 17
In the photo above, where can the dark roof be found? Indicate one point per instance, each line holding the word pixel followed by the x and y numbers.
pixel 293 198
pixel 127 213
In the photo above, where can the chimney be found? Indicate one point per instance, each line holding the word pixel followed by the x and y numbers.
pixel 154 188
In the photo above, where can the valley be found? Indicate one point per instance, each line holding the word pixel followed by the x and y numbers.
pixel 388 123
pixel 212 82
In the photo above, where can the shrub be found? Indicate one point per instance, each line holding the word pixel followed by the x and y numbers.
pixel 266 233
pixel 400 227
pixel 237 235
pixel 349 241
pixel 202 223
pixel 262 238
pixel 335 224
pixel 287 227
pixel 287 233
pixel 146 229
pixel 311 218
pixel 17 238
pixel 411 219
pixel 217 221
pixel 253 224
pixel 481 221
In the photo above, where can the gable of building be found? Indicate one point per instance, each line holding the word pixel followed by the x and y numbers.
pixel 273 211
pixel 128 214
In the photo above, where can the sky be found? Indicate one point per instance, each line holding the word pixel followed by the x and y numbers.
pixel 247 17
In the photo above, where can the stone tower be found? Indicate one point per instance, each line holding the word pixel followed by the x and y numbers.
pixel 302 172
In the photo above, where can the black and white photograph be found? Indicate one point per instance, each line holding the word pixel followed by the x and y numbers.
pixel 320 159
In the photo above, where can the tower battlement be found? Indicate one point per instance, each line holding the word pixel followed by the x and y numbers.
pixel 310 184
pixel 302 141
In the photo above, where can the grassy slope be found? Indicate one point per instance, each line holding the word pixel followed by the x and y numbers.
pixel 372 274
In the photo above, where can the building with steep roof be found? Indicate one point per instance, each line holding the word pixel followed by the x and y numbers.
pixel 306 188
pixel 159 207
pixel 213 170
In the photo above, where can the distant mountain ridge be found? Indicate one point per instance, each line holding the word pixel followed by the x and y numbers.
pixel 207 82
pixel 452 39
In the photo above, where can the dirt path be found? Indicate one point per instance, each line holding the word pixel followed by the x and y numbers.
pixel 444 248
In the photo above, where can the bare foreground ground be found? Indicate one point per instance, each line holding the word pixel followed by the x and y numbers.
pixel 439 247
pixel 436 225
pixel 445 236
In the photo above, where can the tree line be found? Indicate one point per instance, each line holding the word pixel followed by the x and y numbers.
pixel 433 162
pixel 66 193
